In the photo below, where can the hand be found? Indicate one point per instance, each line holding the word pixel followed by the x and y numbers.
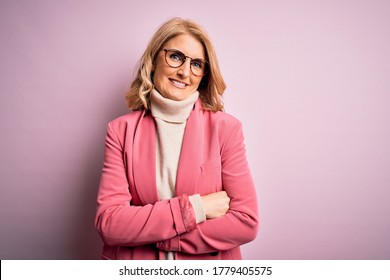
pixel 216 204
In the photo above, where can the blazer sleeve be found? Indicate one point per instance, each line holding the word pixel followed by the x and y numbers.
pixel 240 224
pixel 122 224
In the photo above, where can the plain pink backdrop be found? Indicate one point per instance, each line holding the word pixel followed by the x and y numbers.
pixel 309 80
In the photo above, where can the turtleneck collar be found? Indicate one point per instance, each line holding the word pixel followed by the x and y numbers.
pixel 171 110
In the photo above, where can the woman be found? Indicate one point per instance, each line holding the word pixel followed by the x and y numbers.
pixel 175 182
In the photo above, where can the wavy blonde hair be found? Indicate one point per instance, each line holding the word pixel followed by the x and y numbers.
pixel 212 85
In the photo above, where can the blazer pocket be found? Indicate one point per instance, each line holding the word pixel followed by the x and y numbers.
pixel 211 165
pixel 211 178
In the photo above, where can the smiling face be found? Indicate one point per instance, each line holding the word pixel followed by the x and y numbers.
pixel 178 83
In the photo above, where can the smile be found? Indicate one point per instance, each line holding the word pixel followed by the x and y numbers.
pixel 177 83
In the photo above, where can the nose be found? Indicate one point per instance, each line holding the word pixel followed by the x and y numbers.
pixel 184 71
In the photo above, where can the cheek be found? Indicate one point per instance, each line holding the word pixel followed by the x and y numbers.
pixel 162 73
pixel 196 82
pixel 159 69
pixel 158 78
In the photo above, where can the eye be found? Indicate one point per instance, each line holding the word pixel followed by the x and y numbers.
pixel 198 64
pixel 176 56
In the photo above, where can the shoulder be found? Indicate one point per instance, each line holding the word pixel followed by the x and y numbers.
pixel 222 120
pixel 222 125
pixel 124 122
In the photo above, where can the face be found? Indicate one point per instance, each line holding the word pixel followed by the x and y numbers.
pixel 178 83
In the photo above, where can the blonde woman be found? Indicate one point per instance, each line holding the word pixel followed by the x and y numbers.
pixel 175 182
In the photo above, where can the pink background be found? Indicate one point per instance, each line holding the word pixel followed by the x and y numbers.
pixel 309 80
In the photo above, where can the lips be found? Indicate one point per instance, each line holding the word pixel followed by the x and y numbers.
pixel 177 83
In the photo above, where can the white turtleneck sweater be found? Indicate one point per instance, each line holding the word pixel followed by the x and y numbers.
pixel 171 119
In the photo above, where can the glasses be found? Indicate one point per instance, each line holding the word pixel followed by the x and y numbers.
pixel 175 59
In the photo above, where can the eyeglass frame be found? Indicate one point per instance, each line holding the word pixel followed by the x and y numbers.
pixel 184 61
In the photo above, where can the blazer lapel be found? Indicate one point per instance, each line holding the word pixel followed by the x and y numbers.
pixel 191 153
pixel 144 160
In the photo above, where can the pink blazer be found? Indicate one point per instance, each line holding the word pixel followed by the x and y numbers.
pixel 135 224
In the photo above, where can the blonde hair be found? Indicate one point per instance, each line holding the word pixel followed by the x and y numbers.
pixel 212 85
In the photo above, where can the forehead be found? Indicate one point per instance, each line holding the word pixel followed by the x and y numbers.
pixel 187 44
